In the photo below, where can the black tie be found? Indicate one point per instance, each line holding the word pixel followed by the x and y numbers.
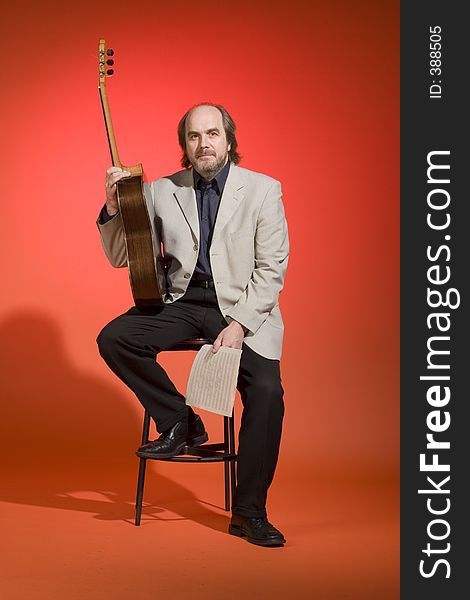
pixel 205 187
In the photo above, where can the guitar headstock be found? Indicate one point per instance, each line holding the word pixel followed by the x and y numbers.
pixel 105 62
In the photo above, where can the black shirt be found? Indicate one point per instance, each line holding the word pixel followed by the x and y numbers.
pixel 208 194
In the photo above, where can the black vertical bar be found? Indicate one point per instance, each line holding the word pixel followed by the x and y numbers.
pixel 434 257
pixel 233 473
pixel 142 468
pixel 226 466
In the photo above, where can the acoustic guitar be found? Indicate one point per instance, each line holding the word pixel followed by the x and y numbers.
pixel 142 255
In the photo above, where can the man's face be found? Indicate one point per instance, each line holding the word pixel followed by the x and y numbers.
pixel 206 143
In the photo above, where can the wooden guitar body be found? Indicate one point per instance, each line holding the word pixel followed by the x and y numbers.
pixel 142 253
pixel 139 244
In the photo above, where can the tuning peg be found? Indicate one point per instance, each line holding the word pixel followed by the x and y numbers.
pixel 110 72
pixel 110 62
pixel 110 52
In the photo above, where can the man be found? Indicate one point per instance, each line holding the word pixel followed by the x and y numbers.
pixel 225 236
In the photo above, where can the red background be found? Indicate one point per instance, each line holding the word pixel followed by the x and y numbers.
pixel 314 90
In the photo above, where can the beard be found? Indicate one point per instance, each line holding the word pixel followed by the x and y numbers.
pixel 209 168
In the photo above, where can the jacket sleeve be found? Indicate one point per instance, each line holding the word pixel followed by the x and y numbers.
pixel 112 240
pixel 271 248
pixel 104 216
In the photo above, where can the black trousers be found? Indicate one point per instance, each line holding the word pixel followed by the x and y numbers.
pixel 130 343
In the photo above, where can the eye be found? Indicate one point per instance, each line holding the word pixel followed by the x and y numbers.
pixel 213 133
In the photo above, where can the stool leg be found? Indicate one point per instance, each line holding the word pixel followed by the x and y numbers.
pixel 226 465
pixel 142 466
pixel 140 490
pixel 233 474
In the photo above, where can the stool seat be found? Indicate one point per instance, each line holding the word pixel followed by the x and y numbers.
pixel 217 452
pixel 195 343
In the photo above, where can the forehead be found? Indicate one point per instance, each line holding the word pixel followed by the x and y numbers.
pixel 203 118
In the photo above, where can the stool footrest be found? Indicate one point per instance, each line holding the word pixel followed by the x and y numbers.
pixel 206 453
pixel 201 458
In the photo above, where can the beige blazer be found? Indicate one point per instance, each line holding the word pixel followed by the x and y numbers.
pixel 248 254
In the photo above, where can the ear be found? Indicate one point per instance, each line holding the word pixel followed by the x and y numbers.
pixel 229 147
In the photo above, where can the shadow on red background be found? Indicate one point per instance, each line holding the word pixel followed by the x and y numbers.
pixel 58 447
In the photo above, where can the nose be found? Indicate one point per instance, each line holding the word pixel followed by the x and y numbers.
pixel 204 141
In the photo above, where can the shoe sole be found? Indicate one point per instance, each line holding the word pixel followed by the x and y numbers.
pixel 233 530
pixel 197 440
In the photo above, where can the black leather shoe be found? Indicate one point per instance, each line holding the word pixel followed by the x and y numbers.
pixel 257 530
pixel 170 443
pixel 197 433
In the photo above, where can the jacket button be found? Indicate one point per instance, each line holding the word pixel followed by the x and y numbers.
pixel 187 275
pixel 195 247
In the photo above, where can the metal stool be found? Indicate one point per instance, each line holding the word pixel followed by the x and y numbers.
pixel 222 451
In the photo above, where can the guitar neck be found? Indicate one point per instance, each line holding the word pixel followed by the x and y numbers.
pixel 109 127
pixel 104 61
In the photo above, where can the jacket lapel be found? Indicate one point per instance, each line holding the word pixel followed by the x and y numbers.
pixel 231 197
pixel 186 198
